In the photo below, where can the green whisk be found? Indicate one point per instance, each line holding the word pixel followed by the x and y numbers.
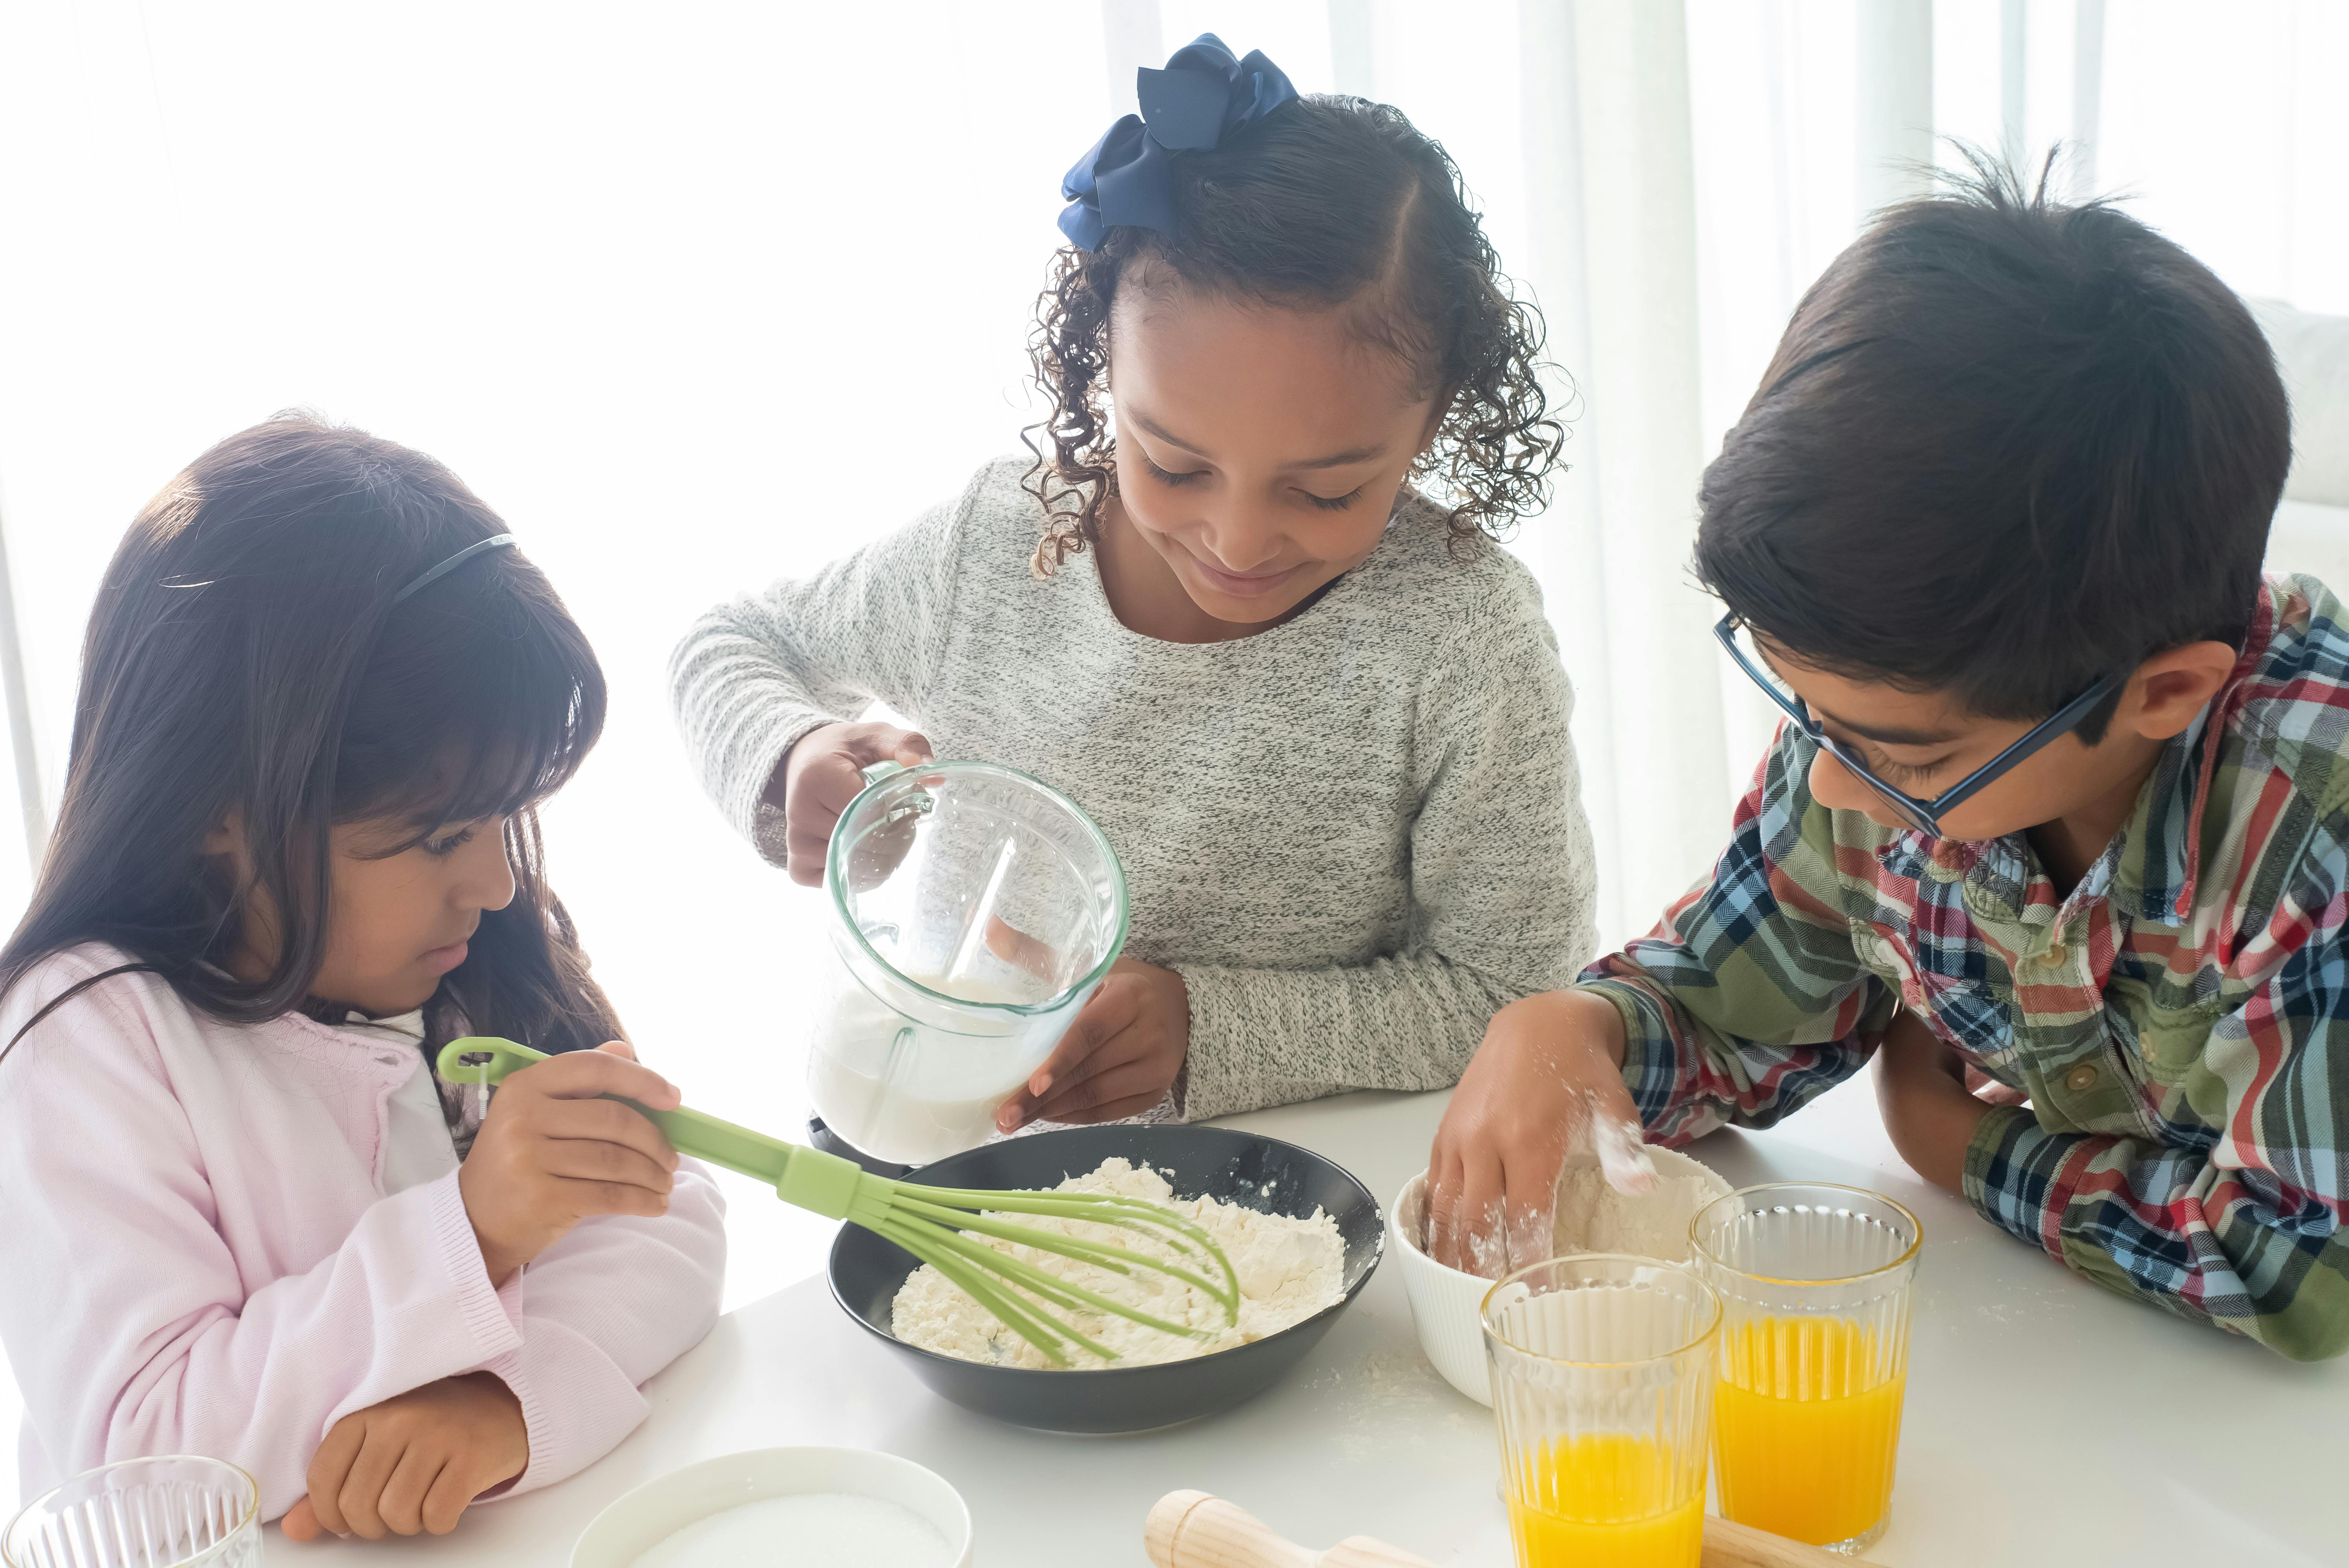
pixel 934 1223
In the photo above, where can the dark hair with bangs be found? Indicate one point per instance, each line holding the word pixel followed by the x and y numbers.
pixel 1328 201
pixel 245 657
pixel 2007 447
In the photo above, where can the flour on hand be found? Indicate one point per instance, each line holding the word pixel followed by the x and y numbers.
pixel 1289 1270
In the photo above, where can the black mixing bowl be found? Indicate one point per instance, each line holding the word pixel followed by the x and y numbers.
pixel 1260 1173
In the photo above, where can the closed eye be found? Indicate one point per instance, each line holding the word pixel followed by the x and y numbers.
pixel 448 844
pixel 1909 773
pixel 1165 476
pixel 1334 502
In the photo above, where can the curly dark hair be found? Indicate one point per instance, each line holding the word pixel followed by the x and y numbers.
pixel 1330 201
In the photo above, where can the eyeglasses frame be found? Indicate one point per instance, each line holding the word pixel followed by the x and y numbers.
pixel 1925 816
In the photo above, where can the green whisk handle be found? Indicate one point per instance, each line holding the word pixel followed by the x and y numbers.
pixel 804 1178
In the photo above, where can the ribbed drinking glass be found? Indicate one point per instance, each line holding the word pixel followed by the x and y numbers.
pixel 177 1511
pixel 1602 1371
pixel 1814 1283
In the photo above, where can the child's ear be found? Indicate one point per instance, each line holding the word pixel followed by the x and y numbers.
pixel 2169 689
pixel 226 836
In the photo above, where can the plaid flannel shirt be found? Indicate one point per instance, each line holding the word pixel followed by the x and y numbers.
pixel 2181 1020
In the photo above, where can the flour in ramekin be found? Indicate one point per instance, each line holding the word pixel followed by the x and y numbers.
pixel 1289 1270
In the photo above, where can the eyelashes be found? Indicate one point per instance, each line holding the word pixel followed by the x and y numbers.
pixel 1172 480
pixel 1893 773
pixel 1163 476
pixel 448 844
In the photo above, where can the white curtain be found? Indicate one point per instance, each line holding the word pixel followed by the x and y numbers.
pixel 702 294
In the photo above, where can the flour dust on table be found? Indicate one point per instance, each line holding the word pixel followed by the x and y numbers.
pixel 1288 1269
pixel 814 1527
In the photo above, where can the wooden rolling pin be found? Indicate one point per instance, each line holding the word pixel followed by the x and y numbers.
pixel 1192 1530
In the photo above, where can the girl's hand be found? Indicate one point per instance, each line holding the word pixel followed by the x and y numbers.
pixel 1548 1078
pixel 820 774
pixel 414 1462
pixel 553 1152
pixel 1119 1058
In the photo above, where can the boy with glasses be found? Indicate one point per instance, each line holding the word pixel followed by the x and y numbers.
pixel 2060 807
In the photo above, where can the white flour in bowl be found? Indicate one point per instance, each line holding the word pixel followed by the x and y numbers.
pixel 1593 1217
pixel 1289 1270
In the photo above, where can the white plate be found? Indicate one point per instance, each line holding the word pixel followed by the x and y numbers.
pixel 644 1518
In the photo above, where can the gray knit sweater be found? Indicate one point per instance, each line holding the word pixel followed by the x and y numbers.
pixel 1355 834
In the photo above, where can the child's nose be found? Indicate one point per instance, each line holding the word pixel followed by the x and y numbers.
pixel 1243 541
pixel 1833 786
pixel 489 881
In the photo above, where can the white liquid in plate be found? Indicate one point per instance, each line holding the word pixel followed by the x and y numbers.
pixel 836 1529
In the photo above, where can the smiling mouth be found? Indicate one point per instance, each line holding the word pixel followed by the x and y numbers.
pixel 1242 584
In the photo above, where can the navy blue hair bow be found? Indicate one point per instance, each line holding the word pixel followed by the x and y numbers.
pixel 1202 95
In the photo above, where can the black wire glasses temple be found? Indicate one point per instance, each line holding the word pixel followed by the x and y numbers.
pixel 1925 816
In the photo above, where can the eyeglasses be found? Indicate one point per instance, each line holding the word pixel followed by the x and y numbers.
pixel 1925 816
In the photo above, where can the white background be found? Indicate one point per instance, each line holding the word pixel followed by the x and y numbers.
pixel 698 295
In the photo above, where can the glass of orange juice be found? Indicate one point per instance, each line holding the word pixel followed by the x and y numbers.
pixel 1602 1383
pixel 1814 1282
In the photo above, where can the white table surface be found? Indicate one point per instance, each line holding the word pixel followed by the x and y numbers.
pixel 2047 1422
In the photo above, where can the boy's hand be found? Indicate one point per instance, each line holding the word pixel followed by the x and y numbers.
pixel 1930 1114
pixel 414 1462
pixel 553 1152
pixel 1548 1078
pixel 1119 1058
pixel 820 774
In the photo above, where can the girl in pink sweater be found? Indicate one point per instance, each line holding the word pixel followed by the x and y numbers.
pixel 322 694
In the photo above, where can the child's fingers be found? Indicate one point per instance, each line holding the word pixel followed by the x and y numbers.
pixel 1444 1239
pixel 1074 1078
pixel 1095 1028
pixel 606 1122
pixel 1019 949
pixel 1526 1225
pixel 328 1467
pixel 452 1492
pixel 301 1522
pixel 360 1499
pixel 1478 1234
pixel 584 1075
pixel 588 1196
pixel 1114 1111
pixel 609 1164
pixel 402 1505
pixel 1099 1094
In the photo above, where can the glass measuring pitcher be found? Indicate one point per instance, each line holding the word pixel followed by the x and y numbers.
pixel 973 910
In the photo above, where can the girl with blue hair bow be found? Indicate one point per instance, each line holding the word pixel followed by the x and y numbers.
pixel 1266 637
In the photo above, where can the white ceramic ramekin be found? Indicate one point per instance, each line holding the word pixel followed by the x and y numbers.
pixel 642 1519
pixel 1444 1302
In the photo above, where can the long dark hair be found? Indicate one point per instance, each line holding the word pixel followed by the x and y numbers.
pixel 245 657
pixel 1324 201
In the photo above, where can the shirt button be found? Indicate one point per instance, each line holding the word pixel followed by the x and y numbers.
pixel 2082 1078
pixel 2055 956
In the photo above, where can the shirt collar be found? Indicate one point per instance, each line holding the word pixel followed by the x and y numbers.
pixel 2161 859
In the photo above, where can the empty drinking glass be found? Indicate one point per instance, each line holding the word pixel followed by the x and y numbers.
pixel 1602 1371
pixel 1814 1283
pixel 177 1511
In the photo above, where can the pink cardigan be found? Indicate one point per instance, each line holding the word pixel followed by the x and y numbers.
pixel 196 1255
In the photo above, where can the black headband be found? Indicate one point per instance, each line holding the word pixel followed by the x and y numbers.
pixel 496 541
